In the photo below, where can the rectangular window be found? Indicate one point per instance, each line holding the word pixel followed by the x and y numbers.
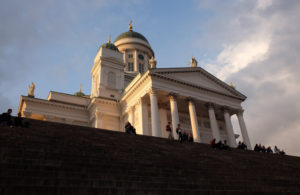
pixel 130 56
pixel 141 68
pixel 130 66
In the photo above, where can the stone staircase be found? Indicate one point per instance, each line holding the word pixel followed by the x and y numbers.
pixel 51 158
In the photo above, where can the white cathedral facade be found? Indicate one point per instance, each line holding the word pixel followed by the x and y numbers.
pixel 127 86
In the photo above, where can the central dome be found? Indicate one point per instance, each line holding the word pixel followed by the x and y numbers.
pixel 131 34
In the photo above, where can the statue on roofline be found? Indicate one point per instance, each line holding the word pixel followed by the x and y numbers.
pixel 31 90
pixel 193 62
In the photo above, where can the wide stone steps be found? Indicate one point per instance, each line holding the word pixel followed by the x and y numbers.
pixel 52 158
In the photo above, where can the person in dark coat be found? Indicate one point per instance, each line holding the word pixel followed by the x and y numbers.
pixel 179 132
pixel 5 118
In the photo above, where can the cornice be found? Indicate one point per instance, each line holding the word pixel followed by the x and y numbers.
pixel 135 86
pixel 205 73
pixel 195 86
pixel 52 103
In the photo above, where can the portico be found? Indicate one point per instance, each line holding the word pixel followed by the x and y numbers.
pixel 189 107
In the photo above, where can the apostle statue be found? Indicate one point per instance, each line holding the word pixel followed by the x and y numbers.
pixel 194 62
pixel 152 62
pixel 31 90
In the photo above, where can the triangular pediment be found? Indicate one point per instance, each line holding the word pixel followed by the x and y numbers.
pixel 199 77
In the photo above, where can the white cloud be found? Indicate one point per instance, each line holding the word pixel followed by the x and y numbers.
pixel 238 56
pixel 261 56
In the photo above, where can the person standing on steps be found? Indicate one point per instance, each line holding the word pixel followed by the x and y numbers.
pixel 169 130
pixel 179 132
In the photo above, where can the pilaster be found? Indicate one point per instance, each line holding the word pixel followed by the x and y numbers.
pixel 174 113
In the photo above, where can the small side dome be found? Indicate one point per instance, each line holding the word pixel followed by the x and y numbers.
pixel 79 93
pixel 110 46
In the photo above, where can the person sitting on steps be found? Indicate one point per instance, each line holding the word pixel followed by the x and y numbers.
pixel 129 129
pixel 190 139
pixel 213 143
pixel 18 122
pixel 5 118
pixel 242 146
pixel 225 145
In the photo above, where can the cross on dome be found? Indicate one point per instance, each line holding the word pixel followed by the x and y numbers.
pixel 130 25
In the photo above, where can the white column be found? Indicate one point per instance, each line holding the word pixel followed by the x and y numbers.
pixel 229 129
pixel 194 121
pixel 213 123
pixel 125 57
pixel 244 129
pixel 136 67
pixel 143 122
pixel 174 114
pixel 154 113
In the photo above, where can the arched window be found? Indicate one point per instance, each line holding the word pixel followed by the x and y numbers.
pixel 111 80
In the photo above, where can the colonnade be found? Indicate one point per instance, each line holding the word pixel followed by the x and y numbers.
pixel 194 122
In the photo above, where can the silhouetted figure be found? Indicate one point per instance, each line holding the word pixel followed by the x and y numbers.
pixel 129 129
pixel 256 148
pixel 169 130
pixel 225 146
pixel 278 151
pixel 185 136
pixel 219 145
pixel 19 121
pixel 190 139
pixel 263 149
pixel 213 143
pixel 179 132
pixel 242 146
pixel 5 118
pixel 269 150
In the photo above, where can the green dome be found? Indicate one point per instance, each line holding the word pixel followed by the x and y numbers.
pixel 79 94
pixel 110 46
pixel 131 34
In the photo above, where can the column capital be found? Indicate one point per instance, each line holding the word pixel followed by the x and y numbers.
pixel 240 112
pixel 225 109
pixel 152 91
pixel 173 95
pixel 190 100
pixel 139 101
pixel 210 105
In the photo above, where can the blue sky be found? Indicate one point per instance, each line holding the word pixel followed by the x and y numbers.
pixel 253 43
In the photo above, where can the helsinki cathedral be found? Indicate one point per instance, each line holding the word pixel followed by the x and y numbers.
pixel 128 86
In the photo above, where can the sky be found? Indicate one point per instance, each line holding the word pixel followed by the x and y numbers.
pixel 254 44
